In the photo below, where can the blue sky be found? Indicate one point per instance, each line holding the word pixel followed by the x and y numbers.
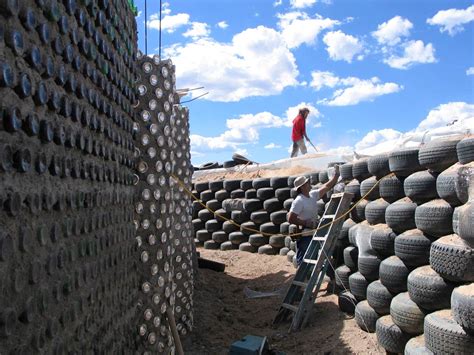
pixel 370 71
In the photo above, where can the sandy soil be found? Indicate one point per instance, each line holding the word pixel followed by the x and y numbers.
pixel 244 174
pixel 223 314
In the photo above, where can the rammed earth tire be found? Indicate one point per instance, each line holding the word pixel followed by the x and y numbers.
pixel 258 240
pixel 353 187
pixel 428 289
pixel 283 194
pixel 277 241
pixel 446 185
pixel 393 274
pixel 278 217
pixel 231 185
pixel 213 225
pixel 267 250
pixel 435 218
pixel 407 314
pixel 250 193
pixel 248 248
pixel 365 317
pixel 229 227
pixel 249 228
pixel 203 235
pixel 360 169
pixel 222 215
pixel 465 150
pixel 351 255
pixel 466 223
pixel 359 212
pixel 201 186
pixel 260 217
pixel 375 211
pixel 413 248
pixel 269 228
pixel 278 182
pixel 367 185
pixel 463 180
pixel 323 177
pixel 228 246
pixel 369 266
pixel 239 217
pixel 342 276
pixel 400 215
pixel 265 193
pixel 252 205
pixel 462 306
pixel 260 183
pixel 207 195
pixel 238 238
pixel 283 251
pixel 358 285
pixel 404 162
pixel 221 195
pixel 382 240
pixel 220 237
pixel 211 245
pixel 344 233
pixel 215 186
pixel 390 336
pixel 378 165
pixel 346 302
pixel 439 154
pixel 246 184
pixel 416 346
pixel 443 335
pixel 421 186
pixel 453 259
pixel 379 297
pixel 391 188
pixel 272 205
pixel 237 194
pixel 346 172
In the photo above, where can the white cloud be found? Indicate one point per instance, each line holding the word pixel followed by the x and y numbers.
pixel 353 91
pixel 470 71
pixel 375 137
pixel 311 120
pixel 300 4
pixel 277 3
pixel 169 22
pixel 446 114
pixel 244 130
pixel 298 28
pixel 452 20
pixel 222 25
pixel 390 32
pixel 272 146
pixel 165 8
pixel 413 52
pixel 341 46
pixel 197 30
pixel 256 63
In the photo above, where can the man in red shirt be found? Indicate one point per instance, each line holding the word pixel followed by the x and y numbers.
pixel 299 132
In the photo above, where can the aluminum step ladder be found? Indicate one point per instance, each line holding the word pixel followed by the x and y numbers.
pixel 305 286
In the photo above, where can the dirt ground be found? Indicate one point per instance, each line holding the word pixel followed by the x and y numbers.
pixel 223 313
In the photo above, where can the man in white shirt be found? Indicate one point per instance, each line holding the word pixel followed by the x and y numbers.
pixel 303 211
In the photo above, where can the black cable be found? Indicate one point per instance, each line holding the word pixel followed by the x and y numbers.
pixel 194 98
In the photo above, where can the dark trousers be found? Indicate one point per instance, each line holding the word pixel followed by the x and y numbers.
pixel 301 246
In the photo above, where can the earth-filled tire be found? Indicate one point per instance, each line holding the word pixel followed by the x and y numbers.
pixel 201 186
pixel 269 228
pixel 205 215
pixel 250 193
pixel 342 274
pixel 358 213
pixel 365 317
pixel 265 193
pixel 465 150
pixel 400 215
pixel 462 304
pixel 203 235
pixel 413 248
pixel 207 195
pixel 446 185
pixel 252 205
pixel 360 170
pixel 404 162
pixel 284 228
pixel 351 256
pixel 463 181
pixel 353 187
pixel 246 184
pixel 260 217
pixel 407 314
pixel 344 233
pixel 435 218
pixel 278 217
pixel 217 185
pixel 375 211
pixel 379 297
pixel 283 193
pixel 420 187
pixel 439 154
pixel 347 302
pixel 237 194
pixel 197 224
pixel 390 336
pixel 358 286
pixel 258 240
pixel 211 245
pixel 249 228
pixel 238 238
pixel 466 223
pixel 287 204
pixel 267 250
pixel 213 205
pixel 283 251
pixel 417 346
pixel 213 225
pixel 323 177
pixel 452 258
pixel 231 185
pixel 220 237
pixel 277 241
pixel 393 274
pixel 221 195
pixel 443 335
pixel 260 183
pixel 382 240
pixel 229 227
pixel 239 217
pixel 248 248
pixel 228 246
pixel 346 172
pixel 290 255
pixel 369 266
pixel 428 289
pixel 210 165
pixel 367 185
pixel 391 188
pixel 272 205
pixel 278 182
pixel 378 165
pixel 222 215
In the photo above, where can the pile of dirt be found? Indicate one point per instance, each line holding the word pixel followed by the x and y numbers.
pixel 245 174
pixel 223 314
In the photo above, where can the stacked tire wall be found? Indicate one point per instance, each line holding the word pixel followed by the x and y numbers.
pixel 410 265
pixel 68 270
pixel 163 209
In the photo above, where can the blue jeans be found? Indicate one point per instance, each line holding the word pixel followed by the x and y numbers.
pixel 302 244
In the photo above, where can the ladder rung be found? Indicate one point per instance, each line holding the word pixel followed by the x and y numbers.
pixel 310 261
pixel 328 216
pixel 320 239
pixel 290 307
pixel 300 283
